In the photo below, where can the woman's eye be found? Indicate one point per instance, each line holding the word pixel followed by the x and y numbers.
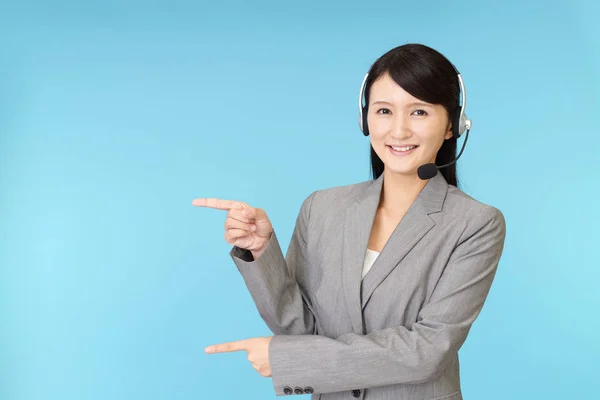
pixel 383 111
pixel 420 112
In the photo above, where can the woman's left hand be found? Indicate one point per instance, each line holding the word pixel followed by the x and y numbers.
pixel 257 348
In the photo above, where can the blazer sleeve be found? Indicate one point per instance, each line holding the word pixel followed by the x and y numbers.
pixel 270 279
pixel 398 355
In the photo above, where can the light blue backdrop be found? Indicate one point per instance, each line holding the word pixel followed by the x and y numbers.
pixel 114 116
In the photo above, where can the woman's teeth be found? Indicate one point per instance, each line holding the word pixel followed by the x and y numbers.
pixel 403 148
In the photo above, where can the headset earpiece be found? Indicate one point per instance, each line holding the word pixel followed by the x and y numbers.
pixel 364 124
pixel 464 123
pixel 363 108
pixel 456 124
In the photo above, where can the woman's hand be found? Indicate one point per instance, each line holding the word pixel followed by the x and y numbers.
pixel 257 348
pixel 245 227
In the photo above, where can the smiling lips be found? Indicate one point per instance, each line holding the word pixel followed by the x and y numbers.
pixel 402 150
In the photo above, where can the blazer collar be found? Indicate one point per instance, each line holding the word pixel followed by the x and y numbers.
pixel 358 223
pixel 430 199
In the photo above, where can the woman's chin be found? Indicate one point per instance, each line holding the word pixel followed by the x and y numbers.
pixel 401 169
pixel 404 167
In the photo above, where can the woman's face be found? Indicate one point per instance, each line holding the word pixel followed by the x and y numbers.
pixel 398 119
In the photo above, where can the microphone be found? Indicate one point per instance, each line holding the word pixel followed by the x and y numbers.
pixel 428 171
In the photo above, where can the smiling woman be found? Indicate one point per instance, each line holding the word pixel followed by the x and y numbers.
pixel 382 279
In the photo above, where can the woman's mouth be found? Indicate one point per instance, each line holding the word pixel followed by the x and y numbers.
pixel 402 150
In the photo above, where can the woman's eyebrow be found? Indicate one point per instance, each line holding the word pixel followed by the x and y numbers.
pixel 416 103
pixel 382 102
pixel 420 104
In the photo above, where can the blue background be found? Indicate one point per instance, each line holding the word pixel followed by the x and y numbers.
pixel 114 116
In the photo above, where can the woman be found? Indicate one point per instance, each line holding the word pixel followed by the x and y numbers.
pixel 382 279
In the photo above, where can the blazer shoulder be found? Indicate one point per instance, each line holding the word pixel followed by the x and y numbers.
pixel 472 211
pixel 328 200
pixel 338 197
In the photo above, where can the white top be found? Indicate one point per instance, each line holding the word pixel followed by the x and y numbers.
pixel 369 260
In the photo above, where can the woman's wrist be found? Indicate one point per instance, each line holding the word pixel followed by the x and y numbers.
pixel 257 253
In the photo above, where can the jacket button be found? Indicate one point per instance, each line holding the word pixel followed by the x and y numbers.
pixel 308 390
pixel 288 390
pixel 298 390
pixel 356 393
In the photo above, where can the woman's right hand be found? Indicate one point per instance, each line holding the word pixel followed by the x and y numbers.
pixel 245 227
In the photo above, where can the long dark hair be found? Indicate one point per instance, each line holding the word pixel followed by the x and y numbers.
pixel 427 75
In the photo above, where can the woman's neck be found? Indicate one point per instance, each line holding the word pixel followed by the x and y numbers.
pixel 400 191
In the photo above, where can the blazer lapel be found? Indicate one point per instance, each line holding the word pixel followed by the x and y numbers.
pixel 357 231
pixel 411 229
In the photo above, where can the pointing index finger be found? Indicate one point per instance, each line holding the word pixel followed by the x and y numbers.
pixel 227 347
pixel 214 203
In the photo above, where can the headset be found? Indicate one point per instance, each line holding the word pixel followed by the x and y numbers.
pixel 457 129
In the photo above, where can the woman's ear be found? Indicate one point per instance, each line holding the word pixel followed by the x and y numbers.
pixel 448 131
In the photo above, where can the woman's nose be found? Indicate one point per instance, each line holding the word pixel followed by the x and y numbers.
pixel 401 128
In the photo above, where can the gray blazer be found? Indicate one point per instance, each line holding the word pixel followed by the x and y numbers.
pixel 394 334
